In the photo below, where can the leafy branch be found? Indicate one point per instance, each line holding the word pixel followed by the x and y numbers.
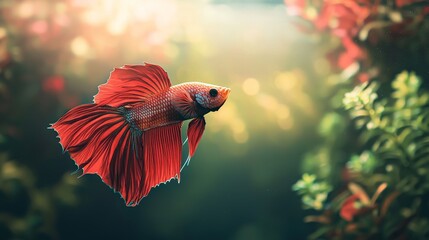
pixel 393 165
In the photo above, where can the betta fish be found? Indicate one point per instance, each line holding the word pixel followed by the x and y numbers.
pixel 131 135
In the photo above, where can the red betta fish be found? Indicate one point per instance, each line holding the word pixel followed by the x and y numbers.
pixel 131 135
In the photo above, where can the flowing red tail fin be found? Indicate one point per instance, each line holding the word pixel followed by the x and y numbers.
pixel 131 161
pixel 100 141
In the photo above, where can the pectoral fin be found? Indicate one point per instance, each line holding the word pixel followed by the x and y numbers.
pixel 195 132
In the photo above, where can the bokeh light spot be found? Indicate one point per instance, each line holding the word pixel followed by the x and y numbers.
pixel 241 137
pixel 238 125
pixel 285 81
pixel 311 12
pixel 79 47
pixel 268 102
pixel 239 131
pixel 3 33
pixel 251 86
pixel 25 10
pixel 285 124
pixel 39 27
pixel 283 112
pixel 118 26
pixel 92 17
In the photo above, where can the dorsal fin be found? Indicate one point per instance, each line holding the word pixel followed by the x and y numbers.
pixel 132 83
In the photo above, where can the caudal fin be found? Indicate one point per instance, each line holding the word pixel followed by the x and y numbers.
pixel 100 141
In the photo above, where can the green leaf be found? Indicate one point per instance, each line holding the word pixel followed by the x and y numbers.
pixel 365 163
pixel 314 194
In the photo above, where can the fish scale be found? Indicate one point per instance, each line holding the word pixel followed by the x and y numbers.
pixel 158 111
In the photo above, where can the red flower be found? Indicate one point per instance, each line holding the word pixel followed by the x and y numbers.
pixel 348 209
pixel 54 84
pixel 363 77
pixel 351 54
pixel 344 18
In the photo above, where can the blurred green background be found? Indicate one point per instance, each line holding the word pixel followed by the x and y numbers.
pixel 238 185
pixel 54 54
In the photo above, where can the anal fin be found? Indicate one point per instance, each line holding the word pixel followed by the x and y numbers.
pixel 162 147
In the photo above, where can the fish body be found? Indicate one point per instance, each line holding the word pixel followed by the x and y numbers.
pixel 131 135
pixel 163 109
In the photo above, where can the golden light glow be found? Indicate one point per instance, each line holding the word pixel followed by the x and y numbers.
pixel 25 9
pixel 285 124
pixel 251 86
pixel 268 102
pixel 79 47
pixel 60 7
pixel 241 137
pixel 284 120
pixel 283 112
pixel 285 81
pixel 239 131
pixel 311 12
pixel 3 33
pixel 230 118
pixel 192 46
pixel 238 125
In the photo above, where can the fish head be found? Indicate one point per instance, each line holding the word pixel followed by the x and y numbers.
pixel 195 99
pixel 211 97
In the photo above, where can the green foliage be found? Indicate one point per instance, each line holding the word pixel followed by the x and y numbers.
pixel 331 125
pixel 366 162
pixel 28 210
pixel 393 165
pixel 398 128
pixel 314 194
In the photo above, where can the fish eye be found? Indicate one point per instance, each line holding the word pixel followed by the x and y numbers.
pixel 213 92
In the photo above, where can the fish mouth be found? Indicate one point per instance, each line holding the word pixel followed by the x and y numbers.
pixel 225 92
